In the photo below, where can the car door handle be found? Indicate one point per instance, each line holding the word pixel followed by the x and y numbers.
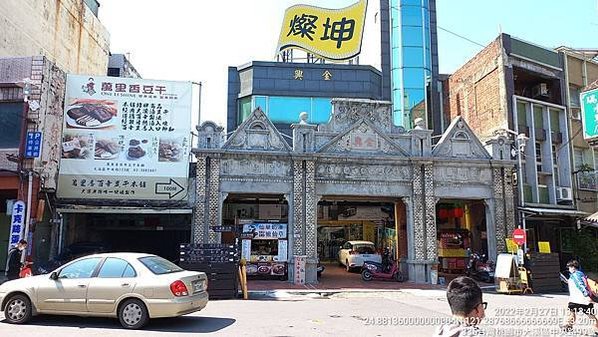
pixel 81 285
pixel 125 285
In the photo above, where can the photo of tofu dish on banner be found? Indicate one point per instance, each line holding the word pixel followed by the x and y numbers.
pixel 125 138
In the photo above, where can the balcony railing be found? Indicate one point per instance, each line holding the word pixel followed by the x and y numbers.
pixel 587 180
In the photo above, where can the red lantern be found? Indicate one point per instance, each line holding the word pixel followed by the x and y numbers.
pixel 443 213
pixel 458 212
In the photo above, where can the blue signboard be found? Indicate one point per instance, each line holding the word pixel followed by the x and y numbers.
pixel 34 144
pixel 17 223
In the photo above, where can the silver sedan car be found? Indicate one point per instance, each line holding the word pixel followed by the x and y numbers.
pixel 133 287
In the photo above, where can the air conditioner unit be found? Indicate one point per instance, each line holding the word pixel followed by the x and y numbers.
pixel 564 194
pixel 540 90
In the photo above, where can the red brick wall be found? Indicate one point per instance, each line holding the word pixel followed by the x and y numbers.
pixel 476 91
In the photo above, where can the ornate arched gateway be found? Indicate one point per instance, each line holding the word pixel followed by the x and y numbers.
pixel 358 153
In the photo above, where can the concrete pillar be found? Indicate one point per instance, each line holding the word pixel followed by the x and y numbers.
pixel 491 229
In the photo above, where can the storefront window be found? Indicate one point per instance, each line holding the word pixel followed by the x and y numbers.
pixel 10 119
pixel 264 247
pixel 521 112
pixel 244 109
pixel 287 109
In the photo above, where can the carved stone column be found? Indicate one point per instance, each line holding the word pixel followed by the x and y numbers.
pixel 298 209
pixel 311 208
pixel 500 217
pixel 419 252
pixel 305 216
pixel 424 224
pixel 200 225
pixel 509 200
pixel 214 204
pixel 430 208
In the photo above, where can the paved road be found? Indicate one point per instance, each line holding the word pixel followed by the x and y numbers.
pixel 346 314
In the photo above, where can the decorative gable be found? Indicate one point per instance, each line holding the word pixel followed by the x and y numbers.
pixel 257 133
pixel 362 137
pixel 459 141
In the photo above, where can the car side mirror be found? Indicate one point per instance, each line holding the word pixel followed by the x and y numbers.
pixel 54 276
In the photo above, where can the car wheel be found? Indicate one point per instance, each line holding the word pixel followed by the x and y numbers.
pixel 133 314
pixel 18 309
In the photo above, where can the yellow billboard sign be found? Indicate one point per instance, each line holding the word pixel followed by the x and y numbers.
pixel 333 34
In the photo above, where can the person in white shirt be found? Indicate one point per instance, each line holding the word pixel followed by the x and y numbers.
pixel 579 297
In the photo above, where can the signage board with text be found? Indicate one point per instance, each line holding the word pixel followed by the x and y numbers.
pixel 589 115
pixel 334 34
pixel 17 223
pixel 125 138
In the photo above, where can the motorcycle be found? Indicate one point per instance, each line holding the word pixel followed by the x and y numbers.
pixel 374 270
pixel 479 268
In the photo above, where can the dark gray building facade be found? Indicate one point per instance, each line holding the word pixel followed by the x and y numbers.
pixel 284 90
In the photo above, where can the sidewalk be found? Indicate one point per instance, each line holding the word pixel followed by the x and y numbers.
pixel 334 280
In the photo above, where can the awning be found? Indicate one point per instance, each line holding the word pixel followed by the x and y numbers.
pixel 123 210
pixel 592 218
pixel 553 211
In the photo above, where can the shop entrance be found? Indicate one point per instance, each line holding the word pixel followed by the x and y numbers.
pixel 159 234
pixel 462 230
pixel 260 226
pixel 349 228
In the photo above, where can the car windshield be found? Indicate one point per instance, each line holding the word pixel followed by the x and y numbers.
pixel 364 249
pixel 158 265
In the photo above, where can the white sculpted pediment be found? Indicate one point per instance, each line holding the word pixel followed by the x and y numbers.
pixel 459 141
pixel 257 133
pixel 362 137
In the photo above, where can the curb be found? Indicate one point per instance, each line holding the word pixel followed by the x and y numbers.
pixel 281 293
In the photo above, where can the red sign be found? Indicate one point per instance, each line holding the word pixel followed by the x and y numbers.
pixel 519 236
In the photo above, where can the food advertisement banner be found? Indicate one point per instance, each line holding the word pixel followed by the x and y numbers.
pixel 125 139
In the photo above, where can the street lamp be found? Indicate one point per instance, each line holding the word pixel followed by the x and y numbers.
pixel 521 140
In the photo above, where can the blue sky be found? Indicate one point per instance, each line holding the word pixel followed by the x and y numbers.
pixel 550 23
pixel 194 40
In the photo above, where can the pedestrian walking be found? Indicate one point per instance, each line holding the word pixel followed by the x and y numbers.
pixel 14 260
pixel 580 297
pixel 465 299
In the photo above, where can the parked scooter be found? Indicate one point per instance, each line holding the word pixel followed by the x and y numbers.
pixel 480 268
pixel 388 270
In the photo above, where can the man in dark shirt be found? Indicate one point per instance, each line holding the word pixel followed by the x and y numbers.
pixel 14 260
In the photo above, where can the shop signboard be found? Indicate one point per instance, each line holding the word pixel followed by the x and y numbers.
pixel 246 250
pixel 300 269
pixel 282 251
pixel 17 223
pixel 125 138
pixel 33 144
pixel 589 115
pixel 267 231
pixel 334 34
